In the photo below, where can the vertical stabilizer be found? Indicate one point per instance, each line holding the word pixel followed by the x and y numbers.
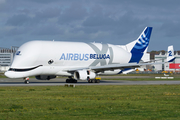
pixel 139 46
pixel 170 54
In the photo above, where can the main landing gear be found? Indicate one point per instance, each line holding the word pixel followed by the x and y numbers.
pixel 94 81
pixel 26 80
pixel 71 80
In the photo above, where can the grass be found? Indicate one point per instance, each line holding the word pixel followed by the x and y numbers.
pixel 90 102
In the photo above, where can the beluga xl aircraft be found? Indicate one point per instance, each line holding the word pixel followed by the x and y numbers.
pixel 77 60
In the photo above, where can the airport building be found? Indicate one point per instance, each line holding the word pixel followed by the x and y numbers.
pixel 6 57
pixel 174 66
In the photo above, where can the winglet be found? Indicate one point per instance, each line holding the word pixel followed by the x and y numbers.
pixel 170 54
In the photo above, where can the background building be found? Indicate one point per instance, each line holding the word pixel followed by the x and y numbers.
pixel 6 57
pixel 165 67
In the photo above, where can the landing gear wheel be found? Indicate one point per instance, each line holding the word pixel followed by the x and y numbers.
pixel 71 81
pixel 26 81
pixel 89 81
pixel 67 81
pixel 97 81
pixel 93 81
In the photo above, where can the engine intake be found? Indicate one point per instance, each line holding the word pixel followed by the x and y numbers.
pixel 84 75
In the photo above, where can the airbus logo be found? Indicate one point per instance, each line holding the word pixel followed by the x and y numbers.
pixel 100 56
pixel 74 56
pixel 81 57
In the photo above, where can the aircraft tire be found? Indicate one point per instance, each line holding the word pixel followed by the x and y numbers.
pixel 67 81
pixel 71 81
pixel 26 81
pixel 93 81
pixel 89 81
pixel 75 81
pixel 97 81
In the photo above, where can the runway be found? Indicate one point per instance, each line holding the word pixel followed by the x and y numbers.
pixel 61 82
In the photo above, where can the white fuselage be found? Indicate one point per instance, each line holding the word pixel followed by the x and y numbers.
pixel 55 58
pixel 79 61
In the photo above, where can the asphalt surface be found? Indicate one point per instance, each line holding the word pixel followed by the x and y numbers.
pixel 61 81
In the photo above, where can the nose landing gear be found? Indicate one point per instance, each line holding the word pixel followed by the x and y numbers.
pixel 26 80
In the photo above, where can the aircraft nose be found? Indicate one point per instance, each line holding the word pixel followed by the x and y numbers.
pixel 9 74
pixel 13 74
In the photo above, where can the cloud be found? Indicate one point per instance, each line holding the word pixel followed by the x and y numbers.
pixel 171 28
pixel 18 20
pixel 48 13
pixel 2 1
pixel 74 13
pixel 15 32
pixel 42 1
pixel 116 22
pixel 47 30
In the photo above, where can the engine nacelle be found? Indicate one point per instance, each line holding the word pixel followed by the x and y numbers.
pixel 84 75
pixel 45 77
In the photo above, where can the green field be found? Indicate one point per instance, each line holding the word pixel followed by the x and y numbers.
pixel 90 102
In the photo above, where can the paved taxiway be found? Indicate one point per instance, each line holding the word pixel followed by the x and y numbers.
pixel 61 81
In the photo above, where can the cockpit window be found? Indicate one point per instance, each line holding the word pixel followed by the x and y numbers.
pixel 18 53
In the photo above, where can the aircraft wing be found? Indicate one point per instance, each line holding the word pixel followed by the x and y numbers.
pixel 112 67
pixel 116 66
pixel 170 58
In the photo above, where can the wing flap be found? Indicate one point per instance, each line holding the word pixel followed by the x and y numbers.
pixel 112 67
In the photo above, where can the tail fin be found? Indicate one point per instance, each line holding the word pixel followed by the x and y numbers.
pixel 139 46
pixel 170 54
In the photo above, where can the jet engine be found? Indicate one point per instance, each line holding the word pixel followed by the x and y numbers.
pixel 84 75
pixel 45 77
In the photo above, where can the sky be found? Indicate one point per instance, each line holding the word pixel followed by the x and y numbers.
pixel 106 21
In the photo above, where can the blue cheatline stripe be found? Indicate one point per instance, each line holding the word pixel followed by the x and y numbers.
pixel 124 70
pixel 172 60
